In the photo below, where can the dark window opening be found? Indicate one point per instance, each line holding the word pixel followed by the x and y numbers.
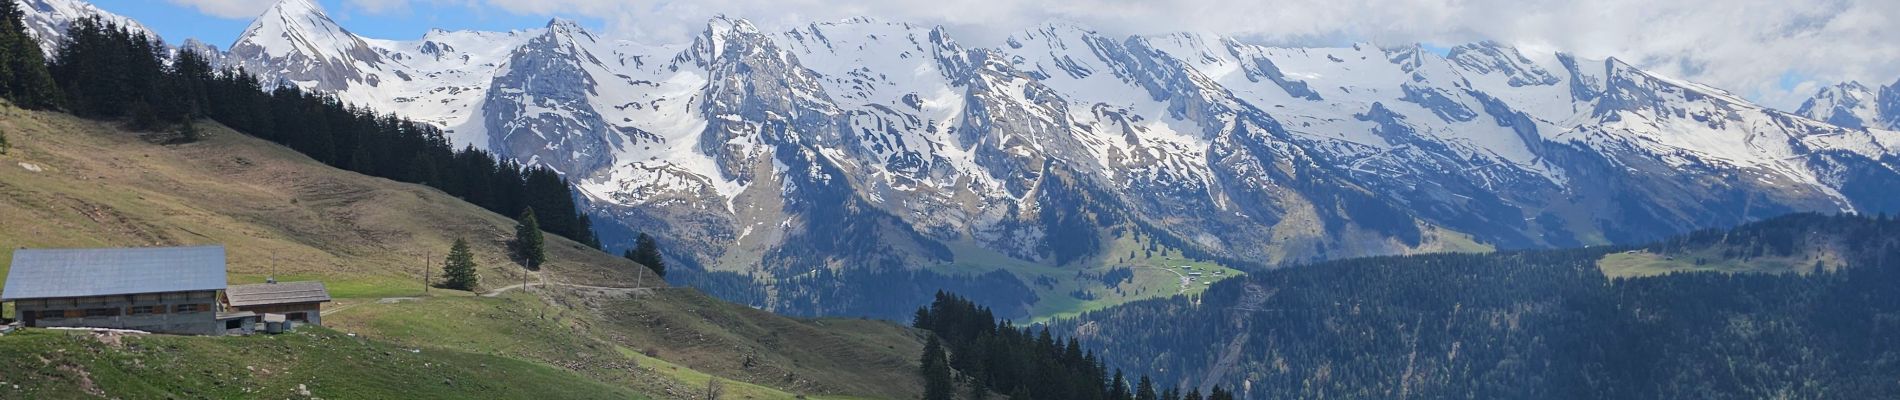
pixel 141 310
pixel 102 312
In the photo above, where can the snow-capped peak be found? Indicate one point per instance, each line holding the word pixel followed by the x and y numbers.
pixel 301 26
pixel 720 32
pixel 1850 104
pixel 565 26
pixel 296 40
pixel 47 20
pixel 1491 57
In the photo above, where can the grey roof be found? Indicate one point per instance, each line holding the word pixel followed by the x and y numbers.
pixel 47 273
pixel 277 293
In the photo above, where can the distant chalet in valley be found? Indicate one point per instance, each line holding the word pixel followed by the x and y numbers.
pixel 161 289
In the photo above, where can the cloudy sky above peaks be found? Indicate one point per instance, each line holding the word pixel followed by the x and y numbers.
pixel 1777 52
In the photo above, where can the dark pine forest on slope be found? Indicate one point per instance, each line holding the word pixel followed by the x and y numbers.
pixel 104 71
pixel 1825 323
pixel 969 348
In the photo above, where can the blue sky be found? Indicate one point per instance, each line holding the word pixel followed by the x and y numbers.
pixel 178 22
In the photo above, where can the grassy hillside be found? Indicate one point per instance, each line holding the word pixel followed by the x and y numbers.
pixel 75 183
pixel 1129 272
pixel 314 362
pixel 1790 246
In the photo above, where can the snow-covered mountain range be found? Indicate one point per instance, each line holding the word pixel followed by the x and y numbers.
pixel 47 20
pixel 1854 105
pixel 870 145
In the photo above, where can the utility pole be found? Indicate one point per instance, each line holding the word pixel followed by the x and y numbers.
pixel 426 256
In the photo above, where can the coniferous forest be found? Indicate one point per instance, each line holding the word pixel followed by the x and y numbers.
pixel 106 72
pixel 1541 324
pixel 1023 363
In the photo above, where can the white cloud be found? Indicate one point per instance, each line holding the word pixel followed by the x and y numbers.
pixel 1746 46
pixel 235 9
pixel 380 7
pixel 403 7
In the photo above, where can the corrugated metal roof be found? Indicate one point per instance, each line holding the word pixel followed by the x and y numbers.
pixel 277 293
pixel 44 273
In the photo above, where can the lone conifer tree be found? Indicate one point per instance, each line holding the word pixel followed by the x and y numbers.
pixel 458 271
pixel 938 384
pixel 646 251
pixel 529 246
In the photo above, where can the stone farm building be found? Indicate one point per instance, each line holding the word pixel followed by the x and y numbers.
pixel 161 289
pixel 169 289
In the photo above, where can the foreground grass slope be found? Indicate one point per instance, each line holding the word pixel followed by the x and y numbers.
pixel 76 183
pixel 315 362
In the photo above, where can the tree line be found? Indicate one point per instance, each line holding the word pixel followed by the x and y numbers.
pixel 108 72
pixel 1543 324
pixel 969 348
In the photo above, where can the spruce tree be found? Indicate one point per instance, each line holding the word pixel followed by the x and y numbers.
pixel 458 270
pixel 585 233
pixel 1145 390
pixel 529 247
pixel 1118 388
pixel 1219 394
pixel 646 251
pixel 188 131
pixel 938 383
pixel 3 142
pixel 23 75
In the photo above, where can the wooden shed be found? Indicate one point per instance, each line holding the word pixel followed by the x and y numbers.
pixel 296 301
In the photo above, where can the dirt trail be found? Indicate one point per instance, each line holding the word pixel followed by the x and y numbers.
pixel 1240 316
pixel 543 281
